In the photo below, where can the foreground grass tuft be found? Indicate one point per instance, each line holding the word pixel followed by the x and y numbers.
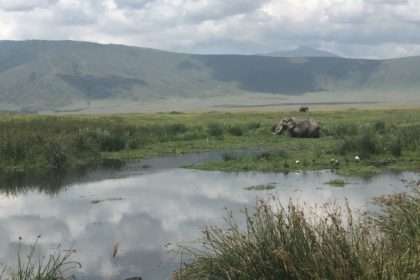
pixel 30 267
pixel 290 243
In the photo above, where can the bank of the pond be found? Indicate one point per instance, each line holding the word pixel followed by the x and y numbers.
pixel 284 242
pixel 382 139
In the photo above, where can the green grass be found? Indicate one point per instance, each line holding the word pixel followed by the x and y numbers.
pixel 29 142
pixel 293 242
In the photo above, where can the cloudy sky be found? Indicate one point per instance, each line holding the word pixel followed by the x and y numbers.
pixel 351 28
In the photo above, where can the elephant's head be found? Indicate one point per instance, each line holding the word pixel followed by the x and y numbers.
pixel 285 124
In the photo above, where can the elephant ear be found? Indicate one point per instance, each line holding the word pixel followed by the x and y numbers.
pixel 291 123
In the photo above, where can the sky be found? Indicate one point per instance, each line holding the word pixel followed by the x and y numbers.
pixel 349 28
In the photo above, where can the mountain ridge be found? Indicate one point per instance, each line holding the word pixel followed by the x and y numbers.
pixel 302 52
pixel 46 75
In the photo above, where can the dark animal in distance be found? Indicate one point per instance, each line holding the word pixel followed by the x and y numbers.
pixel 298 128
pixel 304 109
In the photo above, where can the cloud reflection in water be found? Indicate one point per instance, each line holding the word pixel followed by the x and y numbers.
pixel 155 208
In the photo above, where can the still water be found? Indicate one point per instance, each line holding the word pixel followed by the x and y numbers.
pixel 145 206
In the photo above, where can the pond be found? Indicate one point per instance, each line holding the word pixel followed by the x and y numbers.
pixel 147 205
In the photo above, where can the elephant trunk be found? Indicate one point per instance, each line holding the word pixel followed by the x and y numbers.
pixel 279 130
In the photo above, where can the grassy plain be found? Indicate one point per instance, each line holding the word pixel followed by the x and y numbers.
pixel 384 139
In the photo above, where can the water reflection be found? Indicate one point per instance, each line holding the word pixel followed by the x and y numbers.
pixel 146 210
pixel 52 181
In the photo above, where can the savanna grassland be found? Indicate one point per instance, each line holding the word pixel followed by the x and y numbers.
pixel 385 139
pixel 381 138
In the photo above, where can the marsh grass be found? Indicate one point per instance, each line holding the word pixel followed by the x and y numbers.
pixel 261 187
pixel 59 142
pixel 229 156
pixel 336 182
pixel 294 242
pixel 57 266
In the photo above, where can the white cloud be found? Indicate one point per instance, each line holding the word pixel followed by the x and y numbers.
pixel 22 5
pixel 217 26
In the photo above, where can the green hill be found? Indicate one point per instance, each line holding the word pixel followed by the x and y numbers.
pixel 48 75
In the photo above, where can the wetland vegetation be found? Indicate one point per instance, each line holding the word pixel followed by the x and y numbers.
pixel 386 139
pixel 292 242
pixel 285 243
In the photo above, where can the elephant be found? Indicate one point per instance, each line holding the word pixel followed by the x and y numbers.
pixel 303 109
pixel 298 128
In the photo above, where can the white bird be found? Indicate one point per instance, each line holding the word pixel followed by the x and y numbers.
pixel 297 162
pixel 356 158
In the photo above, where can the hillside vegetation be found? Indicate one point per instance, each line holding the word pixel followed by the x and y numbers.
pixel 52 75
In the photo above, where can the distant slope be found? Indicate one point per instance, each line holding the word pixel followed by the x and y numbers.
pixel 302 52
pixel 56 74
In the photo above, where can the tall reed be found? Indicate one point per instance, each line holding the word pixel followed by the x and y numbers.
pixel 57 266
pixel 294 242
